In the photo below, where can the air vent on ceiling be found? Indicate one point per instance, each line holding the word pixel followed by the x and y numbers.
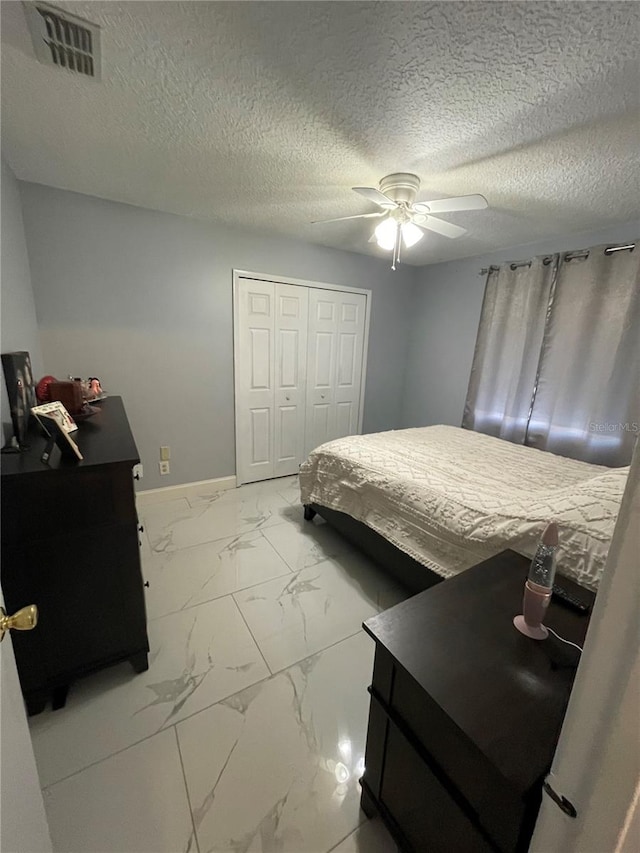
pixel 64 40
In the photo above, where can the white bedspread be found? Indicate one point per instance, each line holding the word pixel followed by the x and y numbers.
pixel 450 497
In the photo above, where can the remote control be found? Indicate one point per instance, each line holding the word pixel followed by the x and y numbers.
pixel 570 600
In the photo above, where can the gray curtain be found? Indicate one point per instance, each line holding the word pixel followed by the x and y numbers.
pixel 557 358
pixel 507 352
pixel 587 403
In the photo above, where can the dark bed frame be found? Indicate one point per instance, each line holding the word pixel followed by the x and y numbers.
pixel 409 572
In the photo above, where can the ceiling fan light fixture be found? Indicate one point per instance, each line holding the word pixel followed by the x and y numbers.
pixel 405 220
pixel 386 233
pixel 411 234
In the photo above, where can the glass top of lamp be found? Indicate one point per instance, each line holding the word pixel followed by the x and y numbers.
pixel 386 233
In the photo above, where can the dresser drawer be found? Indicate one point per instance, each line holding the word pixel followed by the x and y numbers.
pixel 49 503
pixel 430 818
pixel 492 801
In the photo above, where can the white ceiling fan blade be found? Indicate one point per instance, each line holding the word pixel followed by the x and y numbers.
pixel 357 216
pixel 432 223
pixel 376 197
pixel 450 205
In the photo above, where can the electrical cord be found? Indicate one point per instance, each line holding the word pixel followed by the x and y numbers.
pixel 562 639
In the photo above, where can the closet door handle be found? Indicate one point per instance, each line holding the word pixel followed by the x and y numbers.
pixel 287 398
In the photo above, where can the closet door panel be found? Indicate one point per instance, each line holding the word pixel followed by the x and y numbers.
pixel 350 348
pixel 260 350
pixel 347 349
pixel 287 438
pixel 254 364
pixel 323 327
pixel 346 419
pixel 260 436
pixel 336 348
pixel 319 424
pixel 292 308
pixel 324 349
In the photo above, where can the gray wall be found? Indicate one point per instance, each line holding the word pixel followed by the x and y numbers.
pixel 18 326
pixel 446 310
pixel 144 301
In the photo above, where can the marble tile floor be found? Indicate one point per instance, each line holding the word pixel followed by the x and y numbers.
pixel 247 733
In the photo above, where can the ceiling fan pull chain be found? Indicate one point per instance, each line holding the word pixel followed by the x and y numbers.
pixel 396 249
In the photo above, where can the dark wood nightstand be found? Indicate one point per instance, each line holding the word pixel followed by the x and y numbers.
pixel 466 712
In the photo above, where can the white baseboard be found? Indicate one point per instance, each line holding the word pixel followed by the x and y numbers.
pixel 184 490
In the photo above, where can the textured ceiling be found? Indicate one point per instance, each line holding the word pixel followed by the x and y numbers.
pixel 265 114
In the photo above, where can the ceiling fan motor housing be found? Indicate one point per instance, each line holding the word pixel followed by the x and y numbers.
pixel 402 187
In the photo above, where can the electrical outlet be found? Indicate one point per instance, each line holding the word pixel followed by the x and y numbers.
pixel 165 453
pixel 164 467
pixel 138 473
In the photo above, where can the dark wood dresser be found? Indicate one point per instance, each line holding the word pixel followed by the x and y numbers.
pixel 466 712
pixel 70 545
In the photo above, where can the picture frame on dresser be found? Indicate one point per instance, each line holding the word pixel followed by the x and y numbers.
pixel 21 391
pixel 58 424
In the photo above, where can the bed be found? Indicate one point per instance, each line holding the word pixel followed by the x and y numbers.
pixel 431 502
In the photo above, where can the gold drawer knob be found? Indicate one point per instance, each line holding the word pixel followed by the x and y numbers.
pixel 24 619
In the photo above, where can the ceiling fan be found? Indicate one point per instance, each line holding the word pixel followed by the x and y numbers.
pixel 406 219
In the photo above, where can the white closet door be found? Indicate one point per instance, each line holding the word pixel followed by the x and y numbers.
pixel 255 369
pixel 349 355
pixel 298 356
pixel 334 368
pixel 291 317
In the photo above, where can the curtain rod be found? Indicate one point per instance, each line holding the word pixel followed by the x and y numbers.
pixel 514 266
pixel 629 247
pixel 569 256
